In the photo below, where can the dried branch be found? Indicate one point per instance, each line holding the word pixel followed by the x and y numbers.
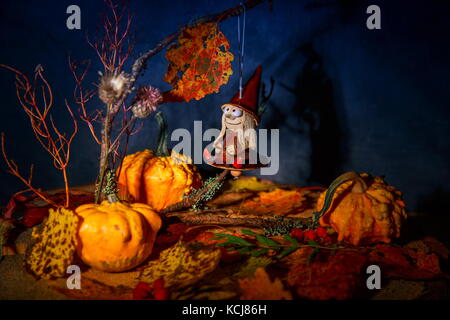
pixel 51 139
pixel 82 97
pixel 14 170
pixel 113 49
pixel 227 218
pixel 189 202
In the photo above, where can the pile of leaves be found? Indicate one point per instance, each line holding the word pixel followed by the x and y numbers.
pixel 212 262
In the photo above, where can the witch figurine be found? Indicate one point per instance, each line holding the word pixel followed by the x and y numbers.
pixel 235 148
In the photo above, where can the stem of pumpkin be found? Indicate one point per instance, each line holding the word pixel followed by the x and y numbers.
pixel 359 187
pixel 161 149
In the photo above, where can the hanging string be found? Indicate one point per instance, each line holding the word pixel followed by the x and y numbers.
pixel 241 50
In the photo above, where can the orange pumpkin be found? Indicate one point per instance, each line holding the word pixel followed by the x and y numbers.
pixel 159 181
pixel 116 237
pixel 364 210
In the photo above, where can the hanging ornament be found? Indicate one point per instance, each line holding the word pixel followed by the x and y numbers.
pixel 235 148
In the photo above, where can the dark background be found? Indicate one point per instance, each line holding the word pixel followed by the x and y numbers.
pixel 345 97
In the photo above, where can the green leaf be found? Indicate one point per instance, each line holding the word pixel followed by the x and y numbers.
pixel 312 243
pixel 313 255
pixel 220 235
pixel 266 241
pixel 259 252
pixel 237 240
pixel 290 239
pixel 244 250
pixel 287 252
pixel 222 244
pixel 248 233
pixel 232 239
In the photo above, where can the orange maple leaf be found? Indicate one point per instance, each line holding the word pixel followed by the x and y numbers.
pixel 260 287
pixel 277 202
pixel 199 64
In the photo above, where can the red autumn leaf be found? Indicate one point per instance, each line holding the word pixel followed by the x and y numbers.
pixel 437 247
pixel 34 216
pixel 199 64
pixel 16 202
pixel 160 292
pixel 406 263
pixel 207 238
pixel 142 291
pixel 33 210
pixel 336 278
pixel 171 235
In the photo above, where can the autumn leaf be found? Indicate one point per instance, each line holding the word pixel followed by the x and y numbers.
pixel 336 278
pixel 199 64
pixel 30 210
pixel 53 244
pixel 251 265
pixel 5 227
pixel 406 263
pixel 96 290
pixel 260 287
pixel 276 202
pixel 181 265
pixel 248 184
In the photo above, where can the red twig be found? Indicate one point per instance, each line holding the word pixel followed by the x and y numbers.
pixel 51 139
pixel 113 49
pixel 82 97
pixel 14 170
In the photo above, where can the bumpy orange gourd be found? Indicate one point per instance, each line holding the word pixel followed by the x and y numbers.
pixel 365 210
pixel 159 181
pixel 115 236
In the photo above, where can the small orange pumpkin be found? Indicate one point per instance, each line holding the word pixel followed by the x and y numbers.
pixel 364 210
pixel 159 181
pixel 116 237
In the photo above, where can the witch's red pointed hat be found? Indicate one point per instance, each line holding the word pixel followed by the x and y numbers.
pixel 250 95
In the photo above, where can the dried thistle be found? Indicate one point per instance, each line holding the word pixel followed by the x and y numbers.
pixel 146 101
pixel 113 86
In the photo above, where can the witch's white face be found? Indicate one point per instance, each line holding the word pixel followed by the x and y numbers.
pixel 233 116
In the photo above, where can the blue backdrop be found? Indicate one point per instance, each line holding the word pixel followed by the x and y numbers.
pixel 345 97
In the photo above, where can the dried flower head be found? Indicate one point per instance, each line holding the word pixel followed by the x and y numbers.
pixel 146 101
pixel 113 86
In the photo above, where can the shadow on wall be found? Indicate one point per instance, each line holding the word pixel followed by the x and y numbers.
pixel 315 105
